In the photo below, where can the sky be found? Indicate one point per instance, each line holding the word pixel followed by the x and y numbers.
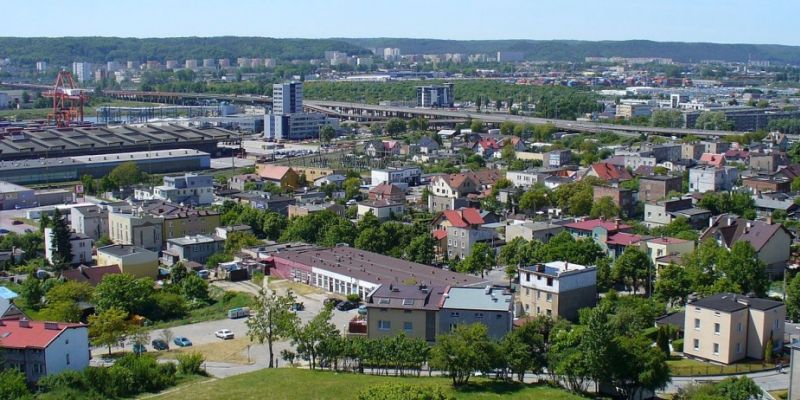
pixel 719 21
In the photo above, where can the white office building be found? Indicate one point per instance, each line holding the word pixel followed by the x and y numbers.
pixel 287 120
pixel 82 71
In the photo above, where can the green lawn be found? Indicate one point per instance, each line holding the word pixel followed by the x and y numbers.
pixel 690 367
pixel 290 383
pixel 218 310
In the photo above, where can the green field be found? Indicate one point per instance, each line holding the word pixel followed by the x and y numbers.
pixel 290 383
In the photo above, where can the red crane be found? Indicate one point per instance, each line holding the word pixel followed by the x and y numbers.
pixel 68 101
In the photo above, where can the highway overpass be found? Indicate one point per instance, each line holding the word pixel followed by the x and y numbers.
pixel 358 110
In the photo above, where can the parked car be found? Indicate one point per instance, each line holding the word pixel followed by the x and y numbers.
pixel 181 341
pixel 4 231
pixel 331 302
pixel 159 344
pixel 203 273
pixel 139 348
pixel 298 307
pixel 16 222
pixel 346 306
pixel 224 334
pixel 362 309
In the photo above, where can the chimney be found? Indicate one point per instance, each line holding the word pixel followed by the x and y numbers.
pixel 24 323
pixel 566 266
pixel 710 222
pixel 487 290
pixel 769 220
pixel 616 223
pixel 51 326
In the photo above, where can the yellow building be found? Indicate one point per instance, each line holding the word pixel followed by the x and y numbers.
pixel 132 260
pixel 393 309
pixel 312 173
pixel 136 228
pixel 179 221
pixel 665 246
pixel 727 327
pixel 285 177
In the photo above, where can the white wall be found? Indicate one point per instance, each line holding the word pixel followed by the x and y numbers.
pixel 73 342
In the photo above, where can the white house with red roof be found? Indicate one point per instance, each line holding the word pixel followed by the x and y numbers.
pixel 609 172
pixel 40 348
pixel 462 228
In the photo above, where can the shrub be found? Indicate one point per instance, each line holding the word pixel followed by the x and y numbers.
pixel 651 333
pixel 677 345
pixel 190 363
pixel 258 278
pixel 354 297
pixel 402 391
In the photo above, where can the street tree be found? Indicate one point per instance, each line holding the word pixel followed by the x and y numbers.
pixel 59 237
pixel 742 266
pixel 632 268
pixel 534 198
pixel 139 338
pixel 420 250
pixel 308 339
pixel 673 285
pixel 793 299
pixel 108 327
pixel 604 208
pixel 466 349
pixel 476 126
pixel 327 133
pixel 479 260
pixel 272 319
pixel 395 126
pixel 517 253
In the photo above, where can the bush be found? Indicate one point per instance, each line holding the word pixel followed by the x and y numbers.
pixel 402 391
pixel 258 278
pixel 677 345
pixel 190 363
pixel 354 297
pixel 651 333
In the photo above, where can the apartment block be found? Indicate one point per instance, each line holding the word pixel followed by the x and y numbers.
pixel 557 289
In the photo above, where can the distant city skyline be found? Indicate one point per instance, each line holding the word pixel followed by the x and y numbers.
pixel 733 21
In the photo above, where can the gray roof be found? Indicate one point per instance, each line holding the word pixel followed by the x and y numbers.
pixel 100 159
pixel 730 302
pixel 8 187
pixel 407 297
pixel 122 250
pixel 474 298
pixel 196 239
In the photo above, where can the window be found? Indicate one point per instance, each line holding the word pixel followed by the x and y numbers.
pixel 384 325
pixel 716 328
pixel 738 347
pixel 697 323
pixel 549 281
pixel 499 316
pixel 549 297
pixel 739 327
pixel 408 311
pixel 697 345
pixel 455 315
pixel 527 277
pixel 408 302
pixel 67 359
pixel 478 315
pixel 408 327
pixel 777 323
pixel 527 291
pixel 716 348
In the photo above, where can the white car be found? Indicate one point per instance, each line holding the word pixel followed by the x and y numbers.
pixel 224 334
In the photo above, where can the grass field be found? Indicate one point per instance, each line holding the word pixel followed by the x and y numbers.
pixel 689 367
pixel 228 351
pixel 218 310
pixel 290 383
pixel 281 285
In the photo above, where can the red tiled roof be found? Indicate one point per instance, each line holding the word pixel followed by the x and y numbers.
pixel 273 172
pixel 716 160
pixel 463 217
pixel 623 239
pixel 667 240
pixel 386 189
pixel 611 172
pixel 439 234
pixel 590 224
pixel 35 335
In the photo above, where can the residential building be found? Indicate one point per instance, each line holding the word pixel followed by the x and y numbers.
pixel 510 56
pixel 332 179
pixel 767 203
pixel 557 158
pixel 389 192
pixel 712 160
pixel 716 146
pixel 285 177
pixel 664 152
pixel 771 241
pixel 526 179
pixel 711 179
pixel 489 306
pixel 312 173
pixel 241 182
pixel 767 162
pixel 449 192
pixel 767 183
pixel 133 260
pixel 80 247
pixel 91 275
pixel 180 220
pixel 692 151
pixel 9 310
pixel 662 212
pixel 267 201
pixel 633 110
pixel 189 189
pixel 346 270
pixel 464 229
pixel 89 220
pixel 382 209
pixel 609 172
pixel 403 176
pixel 657 187
pixel 436 95
pixel 592 228
pixel 393 309
pixel 82 71
pixel 195 248
pixel 794 371
pixel 557 289
pixel 39 348
pixel 659 247
pixel 541 231
pixel 299 211
pixel 727 327
pixel 625 199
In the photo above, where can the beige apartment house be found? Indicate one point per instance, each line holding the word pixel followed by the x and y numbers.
pixel 136 229
pixel 394 309
pixel 557 289
pixel 727 327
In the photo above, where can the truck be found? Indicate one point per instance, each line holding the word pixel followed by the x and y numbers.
pixel 239 312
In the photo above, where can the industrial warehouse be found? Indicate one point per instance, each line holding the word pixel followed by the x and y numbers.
pixel 346 270
pixel 82 141
pixel 64 169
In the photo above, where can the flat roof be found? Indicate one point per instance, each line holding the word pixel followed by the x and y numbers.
pixel 196 239
pixel 122 250
pixel 556 268
pixel 376 268
pixel 8 187
pixel 473 298
pixel 101 158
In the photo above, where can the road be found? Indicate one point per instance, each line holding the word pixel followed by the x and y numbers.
pixel 225 162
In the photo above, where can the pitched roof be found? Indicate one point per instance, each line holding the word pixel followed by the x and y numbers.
pixel 667 240
pixel 623 239
pixel 610 172
pixel 91 275
pixel 273 172
pixel 464 217
pixel 589 224
pixel 440 234
pixel 20 334
pixel 387 189
pixel 716 160
pixel 731 228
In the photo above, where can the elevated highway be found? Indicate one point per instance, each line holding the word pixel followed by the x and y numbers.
pixel 358 110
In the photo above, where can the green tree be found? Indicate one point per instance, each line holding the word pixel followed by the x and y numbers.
pixel 272 319
pixel 420 249
pixel 108 327
pixel 466 349
pixel 533 199
pixel 673 285
pixel 13 385
pixel 479 260
pixel 59 236
pixel 638 366
pixel 508 153
pixel 632 268
pixel 793 299
pixel 507 128
pixel 309 338
pixel 604 208
pixel 126 174
pixel 605 279
pixel 327 133
pixel 476 125
pixel 123 292
pixel 517 253
pixel 666 119
pixel 713 120
pixel 742 266
pixel 195 289
pixel 139 338
pixel 395 126
pixel 352 188
pixel 32 291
